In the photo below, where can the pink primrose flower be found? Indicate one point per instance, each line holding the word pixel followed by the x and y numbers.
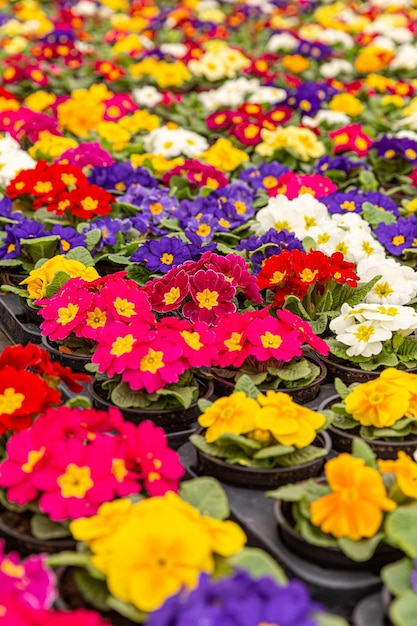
pixel 127 302
pixel 66 311
pixel 168 292
pixel 270 338
pixel 212 296
pixel 236 269
pixel 306 332
pixel 232 346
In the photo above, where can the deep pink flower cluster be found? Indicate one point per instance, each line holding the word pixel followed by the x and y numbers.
pixel 73 460
pixel 204 290
pixel 14 613
pixel 86 308
pixel 260 336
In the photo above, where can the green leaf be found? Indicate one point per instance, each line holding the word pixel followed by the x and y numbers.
pixel 204 404
pixel 92 237
pixel 344 422
pixel 207 495
pixel 401 529
pixel 359 293
pixel 246 385
pixel 362 450
pixel 59 279
pixel 44 528
pixel 258 563
pixel 408 349
pixel 211 449
pixel 368 180
pixel 273 451
pixel 397 576
pixel 299 457
pixel 119 259
pixel 80 254
pixel 361 550
pixel 403 610
pixel 41 248
pixel 327 619
pixel 127 610
pixel 94 591
pixel 342 389
pixel 314 535
pixel 184 395
pixel 229 439
pixel 290 493
pixel 69 557
pixel 19 291
pixel 319 325
pixel 11 263
pixel 375 216
pixel 294 304
pixel 124 397
pixel 294 371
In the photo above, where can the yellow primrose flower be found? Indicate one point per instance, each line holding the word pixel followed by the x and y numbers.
pixel 412 206
pixel 51 146
pixel 126 45
pixel 159 163
pixel 373 59
pixel 378 82
pixel 411 108
pixel 378 402
pixel 405 470
pixel 114 134
pixel 39 278
pixel 116 5
pixel 394 99
pixel 290 423
pixel 301 140
pixel 160 545
pixel 80 117
pixel 140 120
pixel 234 414
pixel 211 15
pixel 39 100
pixel 224 156
pixel 355 507
pixel 16 45
pixel 295 63
pixel 346 103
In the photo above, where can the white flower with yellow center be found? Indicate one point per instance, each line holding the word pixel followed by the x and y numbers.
pixel 397 285
pixel 364 339
pixel 343 321
pixel 172 142
pixel 282 41
pixel 390 317
pixel 147 96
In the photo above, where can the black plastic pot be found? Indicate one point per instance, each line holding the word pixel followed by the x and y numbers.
pixel 369 612
pixel 179 424
pixel 342 439
pixel 23 541
pixel 350 373
pixel 301 395
pixel 254 478
pixel 328 557
pixel 14 323
pixel 74 361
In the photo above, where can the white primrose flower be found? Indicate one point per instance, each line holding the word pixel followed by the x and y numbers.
pixel 282 41
pixel 332 37
pixel 343 321
pixel 362 245
pixel 335 67
pixel 392 318
pixel 270 95
pixel 397 285
pixel 231 94
pixel 405 58
pixel 364 339
pixel 303 215
pixel 147 96
pixel 171 142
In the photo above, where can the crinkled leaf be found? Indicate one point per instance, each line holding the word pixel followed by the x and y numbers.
pixel 304 455
pixel 344 422
pixel 359 293
pixel 94 591
pixel 397 576
pixel 375 216
pixel 80 254
pixel 228 439
pixel 207 495
pixel 363 451
pixel 208 448
pixel 273 451
pixel 294 371
pixel 294 304
pixel 403 610
pixel 314 535
pixel 59 279
pixel 290 493
pixel 342 389
pixel 92 237
pixel 401 529
pixel 41 248
pixel 361 550
pixel 184 395
pixel 246 385
pixel 258 563
pixel 43 527
pixel 204 404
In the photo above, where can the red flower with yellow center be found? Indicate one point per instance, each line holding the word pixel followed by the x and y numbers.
pixel 212 296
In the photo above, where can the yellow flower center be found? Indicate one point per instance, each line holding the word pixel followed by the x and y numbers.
pixel 376 398
pixel 89 204
pixel 167 258
pixel 65 245
pixel 10 401
pixel 240 207
pixel 172 295
pixel 124 307
pixel 349 495
pixel 192 339
pixel 309 222
pixel 233 344
pixel 278 277
pixel 282 225
pixel 388 310
pixel 398 240
pixel 307 275
pixel 122 345
pixel 269 340
pixel 33 457
pixel 67 314
pixel 269 182
pixel 342 247
pixel 118 469
pixel 156 208
pixel 382 290
pixel 207 299
pixel 96 318
pixel 43 186
pixel 69 179
pixel 75 482
pixel 323 238
pixel 152 361
pixel 14 570
pixel 203 230
pixel 11 248
pixel 348 205
pixel 364 333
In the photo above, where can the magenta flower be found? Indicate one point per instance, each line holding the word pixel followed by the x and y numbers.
pixel 65 311
pixel 232 346
pixel 197 341
pixel 306 332
pixel 158 362
pixel 28 581
pixel 127 302
pixel 147 451
pixel 16 613
pixel 77 479
pixel 236 269
pixel 271 338
pixel 117 349
pixel 167 293
pixel 212 296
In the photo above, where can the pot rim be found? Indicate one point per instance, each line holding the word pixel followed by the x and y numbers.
pixel 49 346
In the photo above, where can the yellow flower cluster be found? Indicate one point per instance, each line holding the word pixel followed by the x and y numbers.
pixel 384 401
pixel 51 146
pixel 165 74
pixel 149 550
pixel 224 156
pixel 302 141
pixel 84 110
pixel 39 278
pixel 274 413
pixel 219 62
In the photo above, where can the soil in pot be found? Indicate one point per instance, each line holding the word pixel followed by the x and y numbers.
pixel 255 478
pixel 15 530
pixel 171 420
pixel 342 439
pixel 74 361
pixel 301 395
pixel 327 557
